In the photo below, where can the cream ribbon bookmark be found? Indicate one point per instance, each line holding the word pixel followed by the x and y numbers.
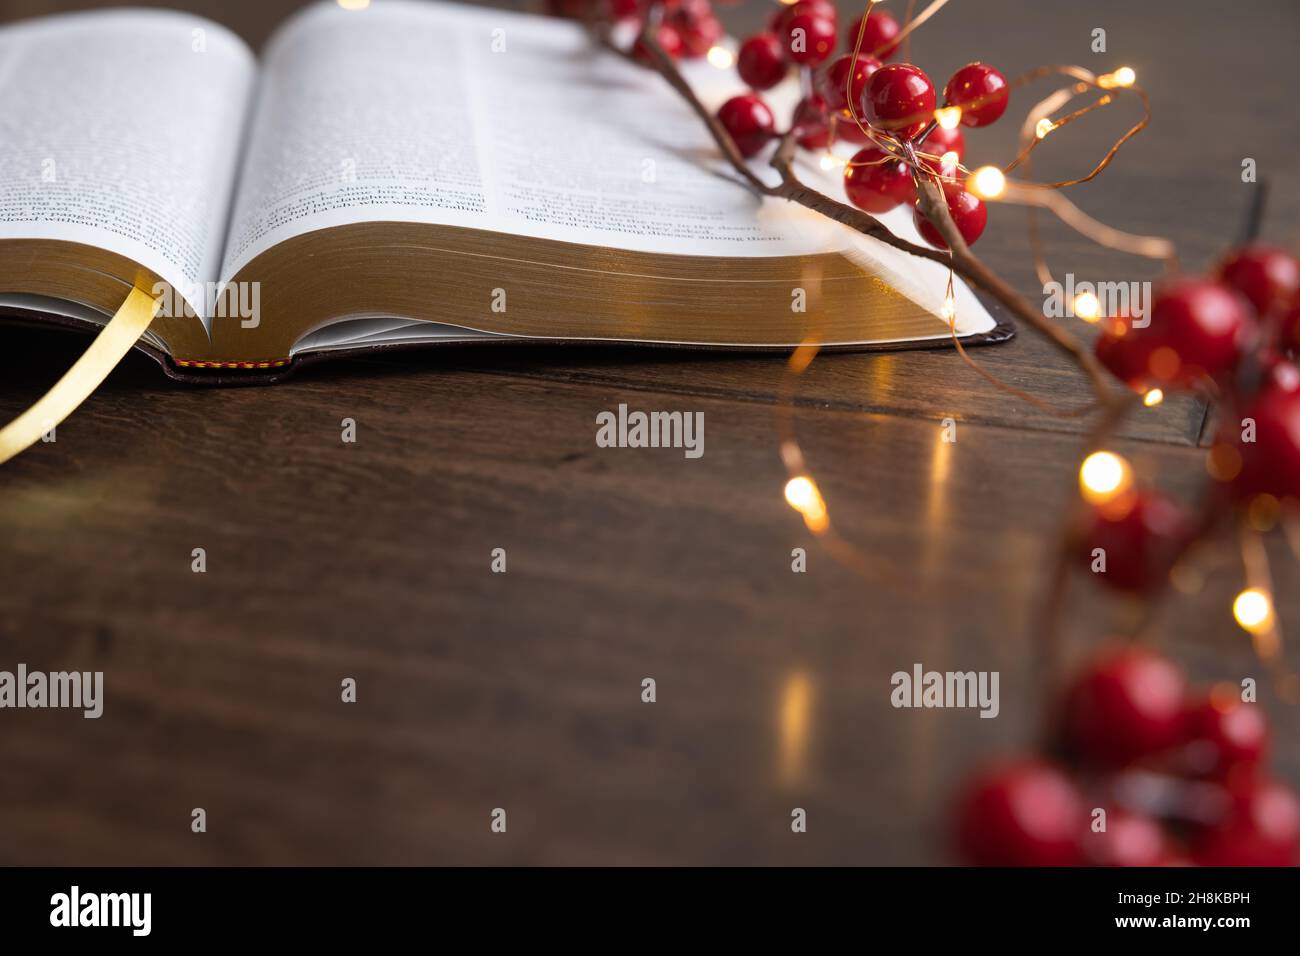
pixel 122 331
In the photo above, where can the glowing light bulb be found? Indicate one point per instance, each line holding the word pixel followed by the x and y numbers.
pixel 1124 76
pixel 1044 127
pixel 948 116
pixel 1153 397
pixel 1103 477
pixel 1253 610
pixel 948 162
pixel 1087 307
pixel 354 4
pixel 949 308
pixel 802 495
pixel 987 182
pixel 720 57
pixel 829 161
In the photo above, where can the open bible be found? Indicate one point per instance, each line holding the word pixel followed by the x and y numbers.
pixel 407 174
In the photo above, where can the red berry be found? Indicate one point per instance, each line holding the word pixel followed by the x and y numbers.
pixel 1026 813
pixel 699 33
pixel 623 9
pixel 781 15
pixel 981 91
pixel 847 131
pixel 876 182
pixel 1140 535
pixel 809 38
pixel 1199 327
pixel 1127 704
pixel 1271 463
pixel 1225 734
pixel 1266 276
pixel 1263 829
pixel 836 78
pixel 670 41
pixel 942 141
pixel 1130 839
pixel 1279 372
pixel 968 214
pixel 1288 337
pixel 879 38
pixel 900 99
pixel 761 62
pixel 813 121
pixel 750 122
pixel 1125 352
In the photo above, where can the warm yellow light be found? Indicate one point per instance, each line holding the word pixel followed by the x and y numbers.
pixel 949 308
pixel 949 117
pixel 1087 307
pixel 1104 476
pixel 1253 610
pixel 1044 127
pixel 948 162
pixel 987 182
pixel 1123 77
pixel 800 492
pixel 354 4
pixel 829 161
pixel 720 57
pixel 1153 397
pixel 802 495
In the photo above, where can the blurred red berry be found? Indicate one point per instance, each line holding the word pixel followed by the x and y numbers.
pixel 1125 352
pixel 1225 734
pixel 670 41
pixel 1130 839
pixel 1268 277
pixel 1199 327
pixel 1139 536
pixel 1126 704
pixel 1026 813
pixel 1270 464
pixel 1263 829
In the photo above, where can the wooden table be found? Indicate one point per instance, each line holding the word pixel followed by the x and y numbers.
pixel 522 690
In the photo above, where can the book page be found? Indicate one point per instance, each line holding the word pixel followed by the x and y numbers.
pixel 432 112
pixel 122 130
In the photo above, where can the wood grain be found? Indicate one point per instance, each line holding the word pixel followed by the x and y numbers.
pixel 522 691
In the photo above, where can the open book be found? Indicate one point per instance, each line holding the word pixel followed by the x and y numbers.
pixel 407 174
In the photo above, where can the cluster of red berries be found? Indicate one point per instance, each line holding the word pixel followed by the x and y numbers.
pixel 688 29
pixel 896 100
pixel 1236 331
pixel 1181 779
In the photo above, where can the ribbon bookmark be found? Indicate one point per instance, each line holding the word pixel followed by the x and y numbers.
pixel 122 331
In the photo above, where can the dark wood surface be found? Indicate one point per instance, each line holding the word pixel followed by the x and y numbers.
pixel 522 690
